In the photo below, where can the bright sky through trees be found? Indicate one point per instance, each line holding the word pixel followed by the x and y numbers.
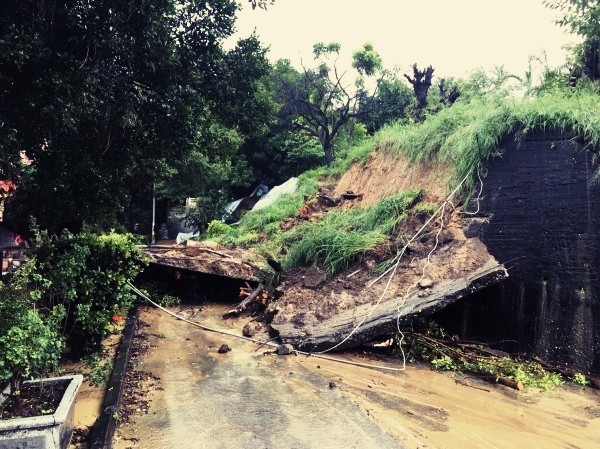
pixel 455 36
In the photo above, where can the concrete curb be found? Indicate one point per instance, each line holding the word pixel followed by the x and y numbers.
pixel 102 433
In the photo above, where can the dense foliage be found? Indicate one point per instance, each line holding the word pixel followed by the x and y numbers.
pixel 30 342
pixel 319 101
pixel 468 133
pixel 104 97
pixel 582 18
pixel 87 274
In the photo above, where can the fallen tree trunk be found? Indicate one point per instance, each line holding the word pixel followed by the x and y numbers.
pixel 343 329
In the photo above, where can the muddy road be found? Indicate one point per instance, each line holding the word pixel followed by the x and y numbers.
pixel 250 397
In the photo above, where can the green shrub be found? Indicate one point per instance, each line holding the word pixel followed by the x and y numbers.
pixel 96 371
pixel 87 274
pixel 30 342
pixel 217 228
pixel 160 292
pixel 580 379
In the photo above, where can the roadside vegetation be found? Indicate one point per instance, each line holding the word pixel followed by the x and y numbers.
pixel 94 129
pixel 68 297
pixel 429 343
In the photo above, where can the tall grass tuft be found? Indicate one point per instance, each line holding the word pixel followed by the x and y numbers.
pixel 465 135
pixel 341 238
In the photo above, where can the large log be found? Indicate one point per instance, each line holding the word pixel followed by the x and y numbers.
pixel 384 319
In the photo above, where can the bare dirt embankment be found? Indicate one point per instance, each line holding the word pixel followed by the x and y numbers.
pixel 384 175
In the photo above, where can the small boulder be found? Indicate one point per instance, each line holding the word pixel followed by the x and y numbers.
pixel 426 282
pixel 286 349
pixel 251 329
pixel 224 348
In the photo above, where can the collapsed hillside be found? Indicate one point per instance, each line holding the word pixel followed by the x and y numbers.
pixel 421 264
pixel 430 264
pixel 530 169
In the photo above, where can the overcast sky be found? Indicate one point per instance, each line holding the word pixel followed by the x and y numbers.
pixel 454 36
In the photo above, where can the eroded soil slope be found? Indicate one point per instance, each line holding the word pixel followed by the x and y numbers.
pixel 436 257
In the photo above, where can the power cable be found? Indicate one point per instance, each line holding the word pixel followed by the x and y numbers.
pixel 392 271
pixel 262 343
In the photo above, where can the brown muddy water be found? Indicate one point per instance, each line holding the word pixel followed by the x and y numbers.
pixel 252 398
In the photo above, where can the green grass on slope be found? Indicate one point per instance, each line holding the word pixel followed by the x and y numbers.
pixel 463 136
pixel 466 134
pixel 343 237
pixel 335 242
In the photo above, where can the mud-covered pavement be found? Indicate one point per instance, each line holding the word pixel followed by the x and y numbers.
pixel 250 397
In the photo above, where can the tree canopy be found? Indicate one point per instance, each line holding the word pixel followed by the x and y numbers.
pixel 582 17
pixel 320 100
pixel 103 96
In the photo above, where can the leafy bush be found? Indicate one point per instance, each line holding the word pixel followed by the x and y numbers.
pixel 87 274
pixel 217 228
pixel 95 370
pixel 30 342
pixel 580 379
pixel 159 292
pixel 208 208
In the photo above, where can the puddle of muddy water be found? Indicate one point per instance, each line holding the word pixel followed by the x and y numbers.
pixel 248 399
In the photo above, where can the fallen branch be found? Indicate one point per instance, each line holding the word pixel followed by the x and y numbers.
pixel 565 371
pixel 251 296
pixel 517 385
pixel 217 253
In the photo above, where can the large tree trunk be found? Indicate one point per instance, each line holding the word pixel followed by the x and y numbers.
pixel 590 59
pixel 328 148
pixel 421 84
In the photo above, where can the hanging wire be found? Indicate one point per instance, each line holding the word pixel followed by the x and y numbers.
pixel 261 343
